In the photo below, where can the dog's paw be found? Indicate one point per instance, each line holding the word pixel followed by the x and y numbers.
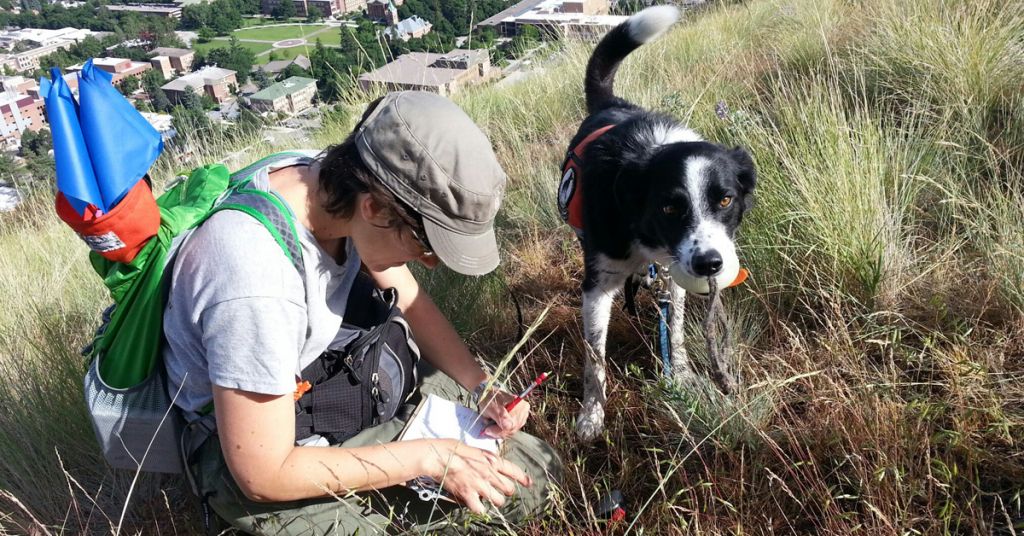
pixel 590 422
pixel 682 374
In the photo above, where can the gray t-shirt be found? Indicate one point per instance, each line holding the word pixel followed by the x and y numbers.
pixel 238 314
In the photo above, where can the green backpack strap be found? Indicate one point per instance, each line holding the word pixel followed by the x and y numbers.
pixel 269 210
pixel 266 207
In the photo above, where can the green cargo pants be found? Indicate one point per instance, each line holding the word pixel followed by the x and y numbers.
pixel 393 510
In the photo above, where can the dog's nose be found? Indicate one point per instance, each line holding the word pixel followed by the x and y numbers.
pixel 707 264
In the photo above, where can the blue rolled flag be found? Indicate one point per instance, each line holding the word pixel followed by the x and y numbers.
pixel 75 176
pixel 102 145
pixel 122 144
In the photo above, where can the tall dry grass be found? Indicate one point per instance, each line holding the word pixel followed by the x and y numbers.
pixel 881 337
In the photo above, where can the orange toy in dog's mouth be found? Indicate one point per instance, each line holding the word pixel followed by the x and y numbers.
pixel 740 278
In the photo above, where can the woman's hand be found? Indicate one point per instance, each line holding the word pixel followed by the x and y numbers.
pixel 473 475
pixel 505 423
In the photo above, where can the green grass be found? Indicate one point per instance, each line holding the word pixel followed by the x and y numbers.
pixel 287 53
pixel 880 336
pixel 255 21
pixel 279 32
pixel 256 48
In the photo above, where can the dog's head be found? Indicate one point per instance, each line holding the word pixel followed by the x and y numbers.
pixel 697 195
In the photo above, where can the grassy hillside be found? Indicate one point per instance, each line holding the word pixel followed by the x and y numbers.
pixel 881 337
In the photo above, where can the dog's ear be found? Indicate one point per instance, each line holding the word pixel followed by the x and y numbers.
pixel 746 174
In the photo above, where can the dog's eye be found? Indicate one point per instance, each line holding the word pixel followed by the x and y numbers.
pixel 725 202
pixel 669 209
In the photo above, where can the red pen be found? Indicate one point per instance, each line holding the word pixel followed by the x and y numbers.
pixel 526 392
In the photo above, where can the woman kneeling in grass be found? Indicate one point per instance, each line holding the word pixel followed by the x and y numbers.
pixel 416 180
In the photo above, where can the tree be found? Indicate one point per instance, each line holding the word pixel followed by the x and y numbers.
pixel 293 70
pixel 161 102
pixel 194 128
pixel 129 85
pixel 235 57
pixel 152 80
pixel 35 148
pixel 329 69
pixel 8 166
pixel 189 100
pixel 35 143
pixel 284 10
pixel 206 34
pixel 196 16
pixel 314 16
pixel 260 78
pixel 225 18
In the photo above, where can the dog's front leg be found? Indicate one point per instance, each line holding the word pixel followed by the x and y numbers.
pixel 597 307
pixel 681 369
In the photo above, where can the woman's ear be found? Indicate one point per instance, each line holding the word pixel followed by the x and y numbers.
pixel 372 211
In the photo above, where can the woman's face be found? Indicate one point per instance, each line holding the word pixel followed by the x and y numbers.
pixel 381 247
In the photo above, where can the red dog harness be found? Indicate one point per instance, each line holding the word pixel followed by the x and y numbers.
pixel 570 195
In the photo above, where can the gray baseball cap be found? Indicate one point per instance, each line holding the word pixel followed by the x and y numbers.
pixel 431 156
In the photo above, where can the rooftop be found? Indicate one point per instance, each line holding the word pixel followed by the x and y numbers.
pixel 514 11
pixel 416 68
pixel 280 65
pixel 408 26
pixel 147 8
pixel 171 52
pixel 42 36
pixel 206 75
pixel 283 88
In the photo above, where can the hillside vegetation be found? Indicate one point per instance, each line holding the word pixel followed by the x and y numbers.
pixel 881 336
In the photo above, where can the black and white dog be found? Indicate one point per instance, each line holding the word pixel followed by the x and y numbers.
pixel 639 187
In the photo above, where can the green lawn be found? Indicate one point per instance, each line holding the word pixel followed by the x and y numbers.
pixel 286 53
pixel 328 38
pixel 278 33
pixel 256 21
pixel 205 48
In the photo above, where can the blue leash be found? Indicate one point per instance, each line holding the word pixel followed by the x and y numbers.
pixel 664 317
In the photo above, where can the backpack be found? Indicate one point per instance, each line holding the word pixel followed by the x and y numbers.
pixel 132 412
pixel 364 377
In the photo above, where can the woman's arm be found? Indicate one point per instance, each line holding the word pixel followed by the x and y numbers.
pixel 443 348
pixel 258 441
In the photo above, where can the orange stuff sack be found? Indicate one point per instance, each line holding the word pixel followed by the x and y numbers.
pixel 119 234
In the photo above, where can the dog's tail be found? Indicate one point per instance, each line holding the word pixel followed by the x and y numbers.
pixel 644 27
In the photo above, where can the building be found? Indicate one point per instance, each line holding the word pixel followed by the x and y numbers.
pixel 19 112
pixel 35 37
pixel 162 123
pixel 162 64
pixel 555 16
pixel 384 11
pixel 213 81
pixel 120 68
pixel 277 67
pixel 180 58
pixel 166 11
pixel 290 96
pixel 18 84
pixel 409 28
pixel 327 8
pixel 26 46
pixel 71 79
pixel 444 74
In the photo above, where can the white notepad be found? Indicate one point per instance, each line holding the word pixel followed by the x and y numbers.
pixel 438 418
